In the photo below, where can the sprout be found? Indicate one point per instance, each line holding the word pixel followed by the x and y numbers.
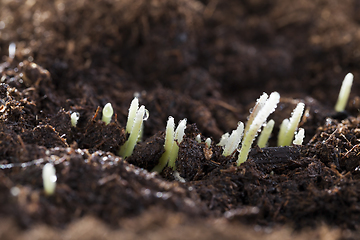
pixel 260 102
pixel 265 134
pixel 134 106
pixel 299 137
pixel 283 128
pixel 135 121
pixel 208 143
pixel 12 50
pixel 232 142
pixel 107 113
pixel 74 118
pixel 223 139
pixel 344 92
pixel 172 139
pixel 198 138
pixel 269 107
pixel 287 129
pixel 49 179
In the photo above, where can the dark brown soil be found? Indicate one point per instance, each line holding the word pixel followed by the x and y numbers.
pixel 207 61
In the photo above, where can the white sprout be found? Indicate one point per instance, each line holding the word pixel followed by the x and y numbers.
pixel 135 121
pixel 134 106
pixel 198 138
pixel 234 140
pixel 49 178
pixel 265 134
pixel 269 107
pixel 344 92
pixel 223 139
pixel 172 139
pixel 107 113
pixel 260 102
pixel 12 50
pixel 299 137
pixel 208 143
pixel 282 132
pixel 288 135
pixel 74 118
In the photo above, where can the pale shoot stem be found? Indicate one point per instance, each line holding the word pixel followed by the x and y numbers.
pixel 293 124
pixel 74 118
pixel 258 106
pixel 282 132
pixel 269 107
pixel 234 140
pixel 49 178
pixel 127 149
pixel 344 92
pixel 265 134
pixel 299 137
pixel 107 113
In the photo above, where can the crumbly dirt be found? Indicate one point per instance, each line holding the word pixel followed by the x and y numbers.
pixel 207 61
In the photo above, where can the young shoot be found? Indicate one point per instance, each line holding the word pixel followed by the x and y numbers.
pixel 135 121
pixel 49 178
pixel 283 128
pixel 223 139
pixel 208 143
pixel 198 138
pixel 74 118
pixel 134 106
pixel 344 93
pixel 265 134
pixel 107 113
pixel 232 142
pixel 260 102
pixel 12 50
pixel 269 107
pixel 299 137
pixel 172 139
pixel 286 133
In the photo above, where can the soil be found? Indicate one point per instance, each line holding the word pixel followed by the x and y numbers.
pixel 207 61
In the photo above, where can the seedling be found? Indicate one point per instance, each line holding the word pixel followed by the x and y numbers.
pixel 344 93
pixel 198 138
pixel 208 143
pixel 269 107
pixel 49 178
pixel 172 139
pixel 135 121
pixel 232 142
pixel 107 113
pixel 288 127
pixel 223 139
pixel 12 50
pixel 260 102
pixel 299 137
pixel 265 134
pixel 283 128
pixel 134 106
pixel 74 118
